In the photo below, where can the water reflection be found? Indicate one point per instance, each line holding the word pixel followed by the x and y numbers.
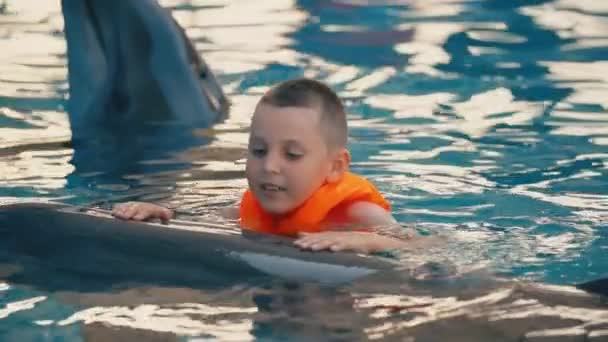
pixel 482 121
pixel 502 312
pixel 502 315
pixel 182 319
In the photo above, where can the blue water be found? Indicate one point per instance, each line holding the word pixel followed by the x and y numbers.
pixel 485 122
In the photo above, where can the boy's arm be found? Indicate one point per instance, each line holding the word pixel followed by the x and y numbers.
pixel 369 214
pixel 142 211
pixel 364 214
pixel 359 242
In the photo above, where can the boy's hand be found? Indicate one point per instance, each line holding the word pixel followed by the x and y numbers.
pixel 360 242
pixel 140 211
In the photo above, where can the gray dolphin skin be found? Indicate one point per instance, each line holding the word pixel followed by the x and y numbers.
pixel 599 286
pixel 129 62
pixel 62 236
pixel 56 248
pixel 138 89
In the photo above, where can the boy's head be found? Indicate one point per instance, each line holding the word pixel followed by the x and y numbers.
pixel 314 95
pixel 297 143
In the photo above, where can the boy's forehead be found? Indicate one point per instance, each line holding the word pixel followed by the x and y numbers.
pixel 271 111
pixel 285 123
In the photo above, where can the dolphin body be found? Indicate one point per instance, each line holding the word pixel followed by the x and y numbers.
pixel 129 61
pixel 138 89
pixel 60 239
pixel 91 241
pixel 58 248
pixel 599 286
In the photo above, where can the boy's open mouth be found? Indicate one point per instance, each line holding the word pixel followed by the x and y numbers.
pixel 271 187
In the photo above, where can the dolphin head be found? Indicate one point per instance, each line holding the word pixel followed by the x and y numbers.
pixel 138 87
pixel 130 63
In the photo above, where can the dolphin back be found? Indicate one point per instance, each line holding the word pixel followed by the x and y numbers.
pixel 598 286
pixel 67 238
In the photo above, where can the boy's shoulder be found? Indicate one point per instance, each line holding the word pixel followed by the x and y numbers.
pixel 357 188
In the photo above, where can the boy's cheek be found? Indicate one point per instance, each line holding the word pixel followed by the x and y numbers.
pixel 249 175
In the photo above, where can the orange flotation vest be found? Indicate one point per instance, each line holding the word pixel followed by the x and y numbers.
pixel 331 198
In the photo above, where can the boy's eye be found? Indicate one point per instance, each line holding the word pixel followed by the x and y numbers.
pixel 293 155
pixel 258 151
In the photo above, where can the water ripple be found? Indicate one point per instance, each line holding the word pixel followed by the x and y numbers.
pixel 485 122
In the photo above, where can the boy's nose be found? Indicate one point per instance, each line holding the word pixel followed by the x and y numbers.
pixel 272 163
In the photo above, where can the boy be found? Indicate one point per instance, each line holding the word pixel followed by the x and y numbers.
pixel 297 171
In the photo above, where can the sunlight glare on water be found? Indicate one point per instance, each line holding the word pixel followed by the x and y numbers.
pixel 484 122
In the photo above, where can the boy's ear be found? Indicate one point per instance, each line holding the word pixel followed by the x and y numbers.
pixel 339 165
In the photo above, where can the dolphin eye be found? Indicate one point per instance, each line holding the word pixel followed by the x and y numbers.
pixel 202 73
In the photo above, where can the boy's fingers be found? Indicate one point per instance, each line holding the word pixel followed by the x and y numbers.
pixel 323 236
pixel 302 243
pixel 320 246
pixel 122 211
pixel 302 240
pixel 129 212
pixel 315 244
pixel 325 245
pixel 118 214
pixel 337 247
pixel 311 237
pixel 307 241
pixel 140 216
pixel 166 214
pixel 118 210
pixel 141 211
pixel 123 206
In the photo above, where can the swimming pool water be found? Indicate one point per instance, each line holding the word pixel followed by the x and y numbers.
pixel 483 121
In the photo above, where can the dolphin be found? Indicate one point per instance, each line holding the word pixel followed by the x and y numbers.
pixel 85 253
pixel 130 62
pixel 67 240
pixel 138 89
pixel 74 238
pixel 599 286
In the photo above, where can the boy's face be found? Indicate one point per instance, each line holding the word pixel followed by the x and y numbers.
pixel 288 157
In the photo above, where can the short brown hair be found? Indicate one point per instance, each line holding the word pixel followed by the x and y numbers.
pixel 308 93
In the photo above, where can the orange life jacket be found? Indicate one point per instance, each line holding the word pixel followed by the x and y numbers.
pixel 330 200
